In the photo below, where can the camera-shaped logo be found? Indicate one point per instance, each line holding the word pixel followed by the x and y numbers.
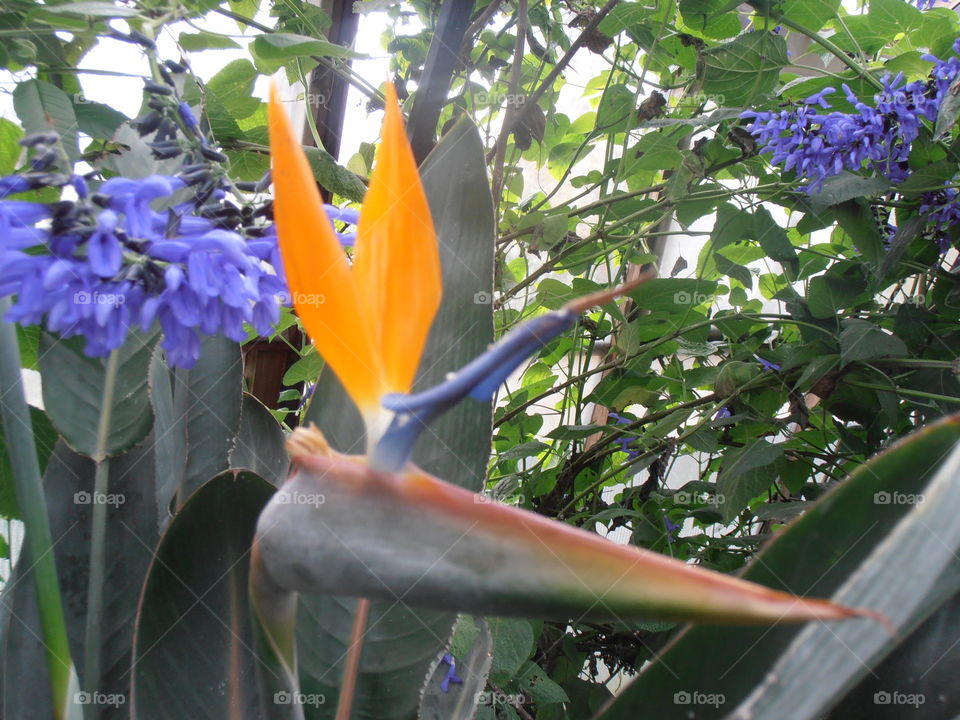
pixel 682 697
pixel 482 298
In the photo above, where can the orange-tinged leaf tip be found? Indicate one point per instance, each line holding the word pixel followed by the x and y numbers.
pixel 396 257
pixel 322 287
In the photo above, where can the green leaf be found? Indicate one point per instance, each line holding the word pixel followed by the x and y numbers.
pixel 536 684
pixel 44 437
pixel 306 369
pixel 918 670
pixel 131 532
pixel 97 120
pixel 862 340
pixel 745 474
pixel 192 42
pixel 10 150
pixel 743 69
pixel 273 50
pixel 832 292
pixel 197 418
pixel 512 645
pixel 846 186
pixel 260 443
pixel 834 538
pixel 232 87
pixel 193 653
pixel 333 176
pixel 43 107
pixel 947 116
pixel 91 9
pixel 673 294
pixel 616 106
pixel 896 579
pixel 811 14
pixel 73 386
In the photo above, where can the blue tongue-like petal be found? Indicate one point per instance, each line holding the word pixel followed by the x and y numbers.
pixel 478 379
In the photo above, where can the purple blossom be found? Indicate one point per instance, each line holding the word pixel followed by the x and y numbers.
pixel 626 442
pixel 344 215
pixel 100 269
pixel 817 145
pixel 451 676
pixel 767 365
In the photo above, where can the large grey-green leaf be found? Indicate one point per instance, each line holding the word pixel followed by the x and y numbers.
pixel 918 678
pixel 823 662
pixel 131 537
pixel 73 385
pixel 834 538
pixel 455 448
pixel 260 443
pixel 193 649
pixel 197 418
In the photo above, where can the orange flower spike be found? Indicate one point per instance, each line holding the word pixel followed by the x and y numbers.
pixel 396 259
pixel 336 314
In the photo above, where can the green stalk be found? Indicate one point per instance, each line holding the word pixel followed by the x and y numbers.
pixel 33 507
pixel 92 634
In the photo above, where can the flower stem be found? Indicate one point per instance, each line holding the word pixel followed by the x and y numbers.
pixel 93 634
pixel 18 431
pixel 348 685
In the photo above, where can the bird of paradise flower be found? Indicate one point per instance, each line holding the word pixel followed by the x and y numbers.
pixel 387 529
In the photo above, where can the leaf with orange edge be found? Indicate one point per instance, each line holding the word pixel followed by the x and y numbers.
pixel 396 259
pixel 338 318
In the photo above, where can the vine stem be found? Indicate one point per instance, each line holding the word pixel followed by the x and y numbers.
pixel 348 686
pixel 92 634
pixel 18 431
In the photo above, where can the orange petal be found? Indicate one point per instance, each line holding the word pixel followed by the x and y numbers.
pixel 396 260
pixel 324 291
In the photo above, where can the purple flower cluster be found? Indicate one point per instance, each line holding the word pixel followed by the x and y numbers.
pixel 818 145
pixel 942 209
pixel 112 261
